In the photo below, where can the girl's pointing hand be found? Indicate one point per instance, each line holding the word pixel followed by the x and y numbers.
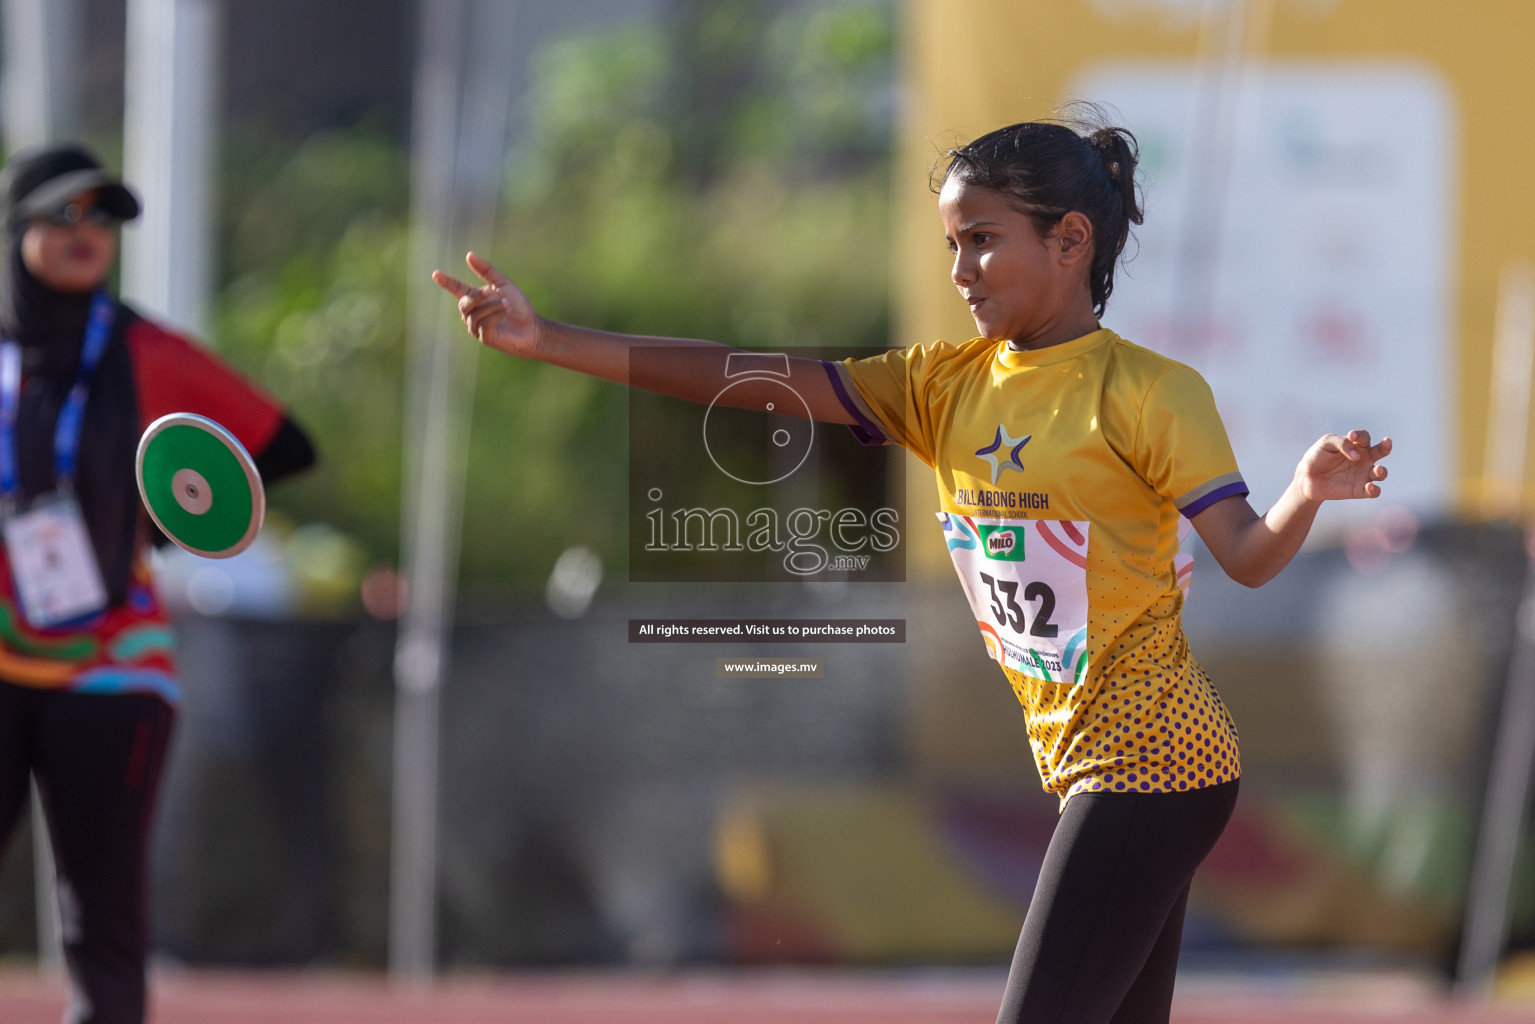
pixel 496 313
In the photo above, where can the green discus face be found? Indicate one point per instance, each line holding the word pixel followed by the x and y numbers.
pixel 200 485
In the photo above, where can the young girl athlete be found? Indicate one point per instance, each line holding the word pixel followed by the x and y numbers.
pixel 1067 461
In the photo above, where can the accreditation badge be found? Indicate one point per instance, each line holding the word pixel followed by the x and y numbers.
pixel 53 563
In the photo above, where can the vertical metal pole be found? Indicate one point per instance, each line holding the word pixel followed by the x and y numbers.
pixel 1508 413
pixel 462 95
pixel 1513 750
pixel 1502 824
pixel 170 133
pixel 41 57
pixel 45 891
pixel 1231 32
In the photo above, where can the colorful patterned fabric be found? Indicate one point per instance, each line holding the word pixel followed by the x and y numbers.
pixel 129 647
pixel 1062 473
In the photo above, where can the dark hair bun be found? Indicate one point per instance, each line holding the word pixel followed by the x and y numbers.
pixel 1118 150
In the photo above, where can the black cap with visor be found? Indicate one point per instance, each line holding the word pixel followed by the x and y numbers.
pixel 43 182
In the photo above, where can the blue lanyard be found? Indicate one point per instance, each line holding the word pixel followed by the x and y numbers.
pixel 66 432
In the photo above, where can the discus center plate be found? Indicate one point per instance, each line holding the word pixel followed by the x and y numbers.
pixel 192 491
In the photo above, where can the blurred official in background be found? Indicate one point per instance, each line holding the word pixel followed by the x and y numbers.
pixel 88 684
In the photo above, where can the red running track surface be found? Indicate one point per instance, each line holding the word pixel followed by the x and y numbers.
pixel 737 997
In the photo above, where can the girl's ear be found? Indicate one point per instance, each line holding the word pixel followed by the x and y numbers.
pixel 1075 235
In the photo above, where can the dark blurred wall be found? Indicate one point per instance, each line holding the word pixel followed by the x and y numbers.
pixel 295 65
pixel 300 66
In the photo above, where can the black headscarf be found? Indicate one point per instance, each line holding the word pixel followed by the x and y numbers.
pixel 50 327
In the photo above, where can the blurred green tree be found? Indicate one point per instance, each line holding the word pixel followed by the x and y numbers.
pixel 313 306
pixel 724 175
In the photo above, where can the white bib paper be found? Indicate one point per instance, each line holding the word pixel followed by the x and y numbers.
pixel 52 561
pixel 1026 580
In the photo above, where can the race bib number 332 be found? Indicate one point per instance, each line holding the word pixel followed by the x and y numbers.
pixel 1026 580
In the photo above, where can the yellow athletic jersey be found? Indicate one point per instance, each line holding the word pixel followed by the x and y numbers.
pixel 1066 477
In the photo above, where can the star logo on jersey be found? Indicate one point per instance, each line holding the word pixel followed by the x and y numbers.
pixel 999 462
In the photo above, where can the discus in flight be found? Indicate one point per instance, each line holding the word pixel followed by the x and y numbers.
pixel 200 485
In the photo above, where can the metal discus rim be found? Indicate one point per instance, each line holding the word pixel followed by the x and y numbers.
pixel 242 458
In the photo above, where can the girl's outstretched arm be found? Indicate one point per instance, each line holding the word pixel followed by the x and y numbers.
pixel 501 317
pixel 1252 548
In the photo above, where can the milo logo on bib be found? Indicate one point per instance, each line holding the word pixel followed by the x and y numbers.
pixel 1002 543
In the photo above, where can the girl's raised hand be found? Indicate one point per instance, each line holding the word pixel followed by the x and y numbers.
pixel 1346 466
pixel 496 313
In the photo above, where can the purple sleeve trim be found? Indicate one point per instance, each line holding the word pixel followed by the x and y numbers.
pixel 865 429
pixel 1198 505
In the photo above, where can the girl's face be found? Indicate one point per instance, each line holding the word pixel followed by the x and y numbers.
pixel 1019 285
pixel 71 252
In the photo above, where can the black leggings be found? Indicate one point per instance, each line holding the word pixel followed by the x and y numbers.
pixel 1100 942
pixel 97 758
